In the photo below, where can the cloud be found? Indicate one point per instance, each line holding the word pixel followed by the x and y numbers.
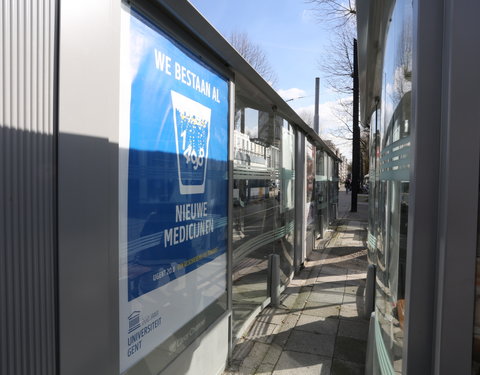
pixel 292 93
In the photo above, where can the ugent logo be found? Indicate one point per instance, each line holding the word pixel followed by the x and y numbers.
pixel 133 321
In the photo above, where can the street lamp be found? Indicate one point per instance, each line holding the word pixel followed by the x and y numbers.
pixel 300 97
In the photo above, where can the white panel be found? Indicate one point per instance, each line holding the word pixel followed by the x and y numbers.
pixel 207 355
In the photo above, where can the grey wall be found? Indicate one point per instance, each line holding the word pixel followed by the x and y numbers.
pixel 88 186
pixel 458 189
pixel 27 188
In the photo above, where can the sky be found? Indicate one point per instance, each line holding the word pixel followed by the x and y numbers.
pixel 294 41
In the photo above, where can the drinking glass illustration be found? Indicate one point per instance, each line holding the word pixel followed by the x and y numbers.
pixel 192 135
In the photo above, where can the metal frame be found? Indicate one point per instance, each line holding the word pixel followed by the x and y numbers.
pixel 422 218
pixel 300 229
pixel 231 156
pixel 458 193
pixel 87 187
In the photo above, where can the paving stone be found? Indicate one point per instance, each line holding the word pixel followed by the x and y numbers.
pixel 245 371
pixel 352 275
pixel 265 369
pixel 285 330
pixel 317 309
pixel 356 282
pixel 255 357
pixel 273 316
pixel 349 310
pixel 262 332
pixel 351 289
pixel 357 329
pixel 301 299
pixel 315 324
pixel 303 275
pixel 331 278
pixel 337 287
pixel 289 322
pixel 333 270
pixel 288 301
pixel 340 367
pixel 290 289
pixel 242 349
pixel 312 343
pixel 294 363
pixel 273 355
pixel 326 297
pixel 350 298
pixel 350 349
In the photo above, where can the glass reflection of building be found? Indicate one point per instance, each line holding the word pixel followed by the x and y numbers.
pixel 389 188
pixel 264 201
pixel 263 204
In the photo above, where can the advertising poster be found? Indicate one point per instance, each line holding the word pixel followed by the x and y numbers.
pixel 173 187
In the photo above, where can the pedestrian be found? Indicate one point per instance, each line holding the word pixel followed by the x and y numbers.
pixel 348 185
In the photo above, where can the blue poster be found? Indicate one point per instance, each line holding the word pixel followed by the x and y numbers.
pixel 177 161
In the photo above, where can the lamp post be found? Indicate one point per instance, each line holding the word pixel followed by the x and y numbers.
pixel 316 124
pixel 299 97
pixel 356 133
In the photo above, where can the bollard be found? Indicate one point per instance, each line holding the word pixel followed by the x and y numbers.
pixel 273 279
pixel 370 291
pixel 371 352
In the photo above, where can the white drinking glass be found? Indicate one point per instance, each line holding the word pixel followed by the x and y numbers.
pixel 192 135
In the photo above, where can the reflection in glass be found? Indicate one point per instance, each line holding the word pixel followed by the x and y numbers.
pixel 310 209
pixel 326 190
pixel 263 199
pixel 389 189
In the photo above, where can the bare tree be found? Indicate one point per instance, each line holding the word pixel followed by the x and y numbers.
pixel 306 116
pixel 337 62
pixel 340 16
pixel 336 12
pixel 254 55
pixel 344 112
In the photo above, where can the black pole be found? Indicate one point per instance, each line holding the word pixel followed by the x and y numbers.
pixel 356 133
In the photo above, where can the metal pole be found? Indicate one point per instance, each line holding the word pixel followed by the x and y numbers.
pixel 274 279
pixel 356 132
pixel 316 125
pixel 370 291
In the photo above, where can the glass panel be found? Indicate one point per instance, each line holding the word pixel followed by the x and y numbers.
pixel 390 166
pixel 310 205
pixel 326 190
pixel 373 187
pixel 263 210
pixel 321 191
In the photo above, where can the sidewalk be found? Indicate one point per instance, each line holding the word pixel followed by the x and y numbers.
pixel 319 327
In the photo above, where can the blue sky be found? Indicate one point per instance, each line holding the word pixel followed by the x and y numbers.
pixel 294 41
